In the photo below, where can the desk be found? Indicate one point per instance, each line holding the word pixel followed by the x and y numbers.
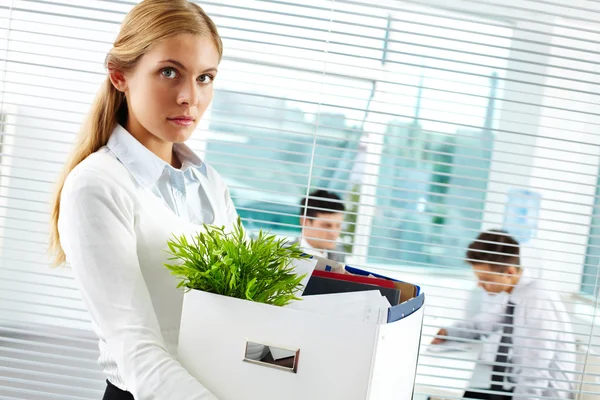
pixel 449 373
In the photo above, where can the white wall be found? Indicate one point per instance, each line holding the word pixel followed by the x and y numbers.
pixel 572 138
pixel 517 130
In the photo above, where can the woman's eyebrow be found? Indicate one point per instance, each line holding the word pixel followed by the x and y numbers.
pixel 175 62
pixel 180 65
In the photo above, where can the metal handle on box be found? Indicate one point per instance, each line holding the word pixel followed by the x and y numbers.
pixel 272 356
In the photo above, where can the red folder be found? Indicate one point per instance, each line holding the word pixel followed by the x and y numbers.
pixel 386 283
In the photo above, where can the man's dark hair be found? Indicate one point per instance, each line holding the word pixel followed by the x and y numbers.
pixel 321 202
pixel 496 248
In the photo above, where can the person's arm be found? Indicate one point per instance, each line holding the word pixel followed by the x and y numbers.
pixel 96 228
pixel 534 348
pixel 484 323
pixel 480 325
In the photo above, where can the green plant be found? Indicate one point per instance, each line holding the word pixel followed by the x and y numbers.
pixel 230 264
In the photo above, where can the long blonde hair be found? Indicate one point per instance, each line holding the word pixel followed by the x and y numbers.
pixel 146 24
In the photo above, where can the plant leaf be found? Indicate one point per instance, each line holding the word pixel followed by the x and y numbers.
pixel 232 264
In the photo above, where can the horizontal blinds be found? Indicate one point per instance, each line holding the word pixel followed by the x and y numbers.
pixel 432 120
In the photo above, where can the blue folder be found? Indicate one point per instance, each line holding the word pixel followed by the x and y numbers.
pixel 398 311
pixel 405 309
pixel 358 271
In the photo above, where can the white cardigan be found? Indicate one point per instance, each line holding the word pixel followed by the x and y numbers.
pixel 114 233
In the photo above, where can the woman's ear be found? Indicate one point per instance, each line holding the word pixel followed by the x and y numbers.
pixel 117 78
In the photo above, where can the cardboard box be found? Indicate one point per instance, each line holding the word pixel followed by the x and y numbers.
pixel 335 358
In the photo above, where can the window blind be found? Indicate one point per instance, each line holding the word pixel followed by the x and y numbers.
pixel 433 120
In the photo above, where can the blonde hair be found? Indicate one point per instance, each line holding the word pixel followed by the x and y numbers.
pixel 146 24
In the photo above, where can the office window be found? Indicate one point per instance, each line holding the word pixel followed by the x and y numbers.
pixel 263 144
pixel 435 159
pixel 590 280
pixel 433 175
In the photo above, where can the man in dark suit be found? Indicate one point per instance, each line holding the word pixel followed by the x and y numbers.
pixel 321 219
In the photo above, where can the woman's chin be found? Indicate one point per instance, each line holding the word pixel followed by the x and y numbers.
pixel 179 134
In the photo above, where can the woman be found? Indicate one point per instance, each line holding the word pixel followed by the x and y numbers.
pixel 131 184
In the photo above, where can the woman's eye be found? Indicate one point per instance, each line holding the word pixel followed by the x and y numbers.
pixel 205 79
pixel 169 73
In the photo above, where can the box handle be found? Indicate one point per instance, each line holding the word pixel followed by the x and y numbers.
pixel 272 356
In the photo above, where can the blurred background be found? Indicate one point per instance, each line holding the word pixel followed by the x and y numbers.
pixel 431 119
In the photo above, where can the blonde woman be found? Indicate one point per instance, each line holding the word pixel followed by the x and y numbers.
pixel 130 184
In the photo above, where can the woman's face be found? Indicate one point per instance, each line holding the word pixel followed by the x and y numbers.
pixel 170 88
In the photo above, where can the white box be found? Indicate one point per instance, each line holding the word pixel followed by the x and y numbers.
pixel 337 359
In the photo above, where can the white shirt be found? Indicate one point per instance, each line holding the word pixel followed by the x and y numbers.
pixel 308 249
pixel 543 354
pixel 181 189
pixel 115 220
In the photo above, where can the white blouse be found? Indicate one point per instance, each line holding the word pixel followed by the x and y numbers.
pixel 114 225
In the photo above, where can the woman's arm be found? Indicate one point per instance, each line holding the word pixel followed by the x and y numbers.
pixel 96 228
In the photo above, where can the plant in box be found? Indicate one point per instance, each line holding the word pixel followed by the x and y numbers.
pixel 228 263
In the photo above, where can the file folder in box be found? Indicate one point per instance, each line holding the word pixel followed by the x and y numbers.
pixel 329 282
pixel 334 358
pixel 407 290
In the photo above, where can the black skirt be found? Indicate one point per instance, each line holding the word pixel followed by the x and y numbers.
pixel 114 393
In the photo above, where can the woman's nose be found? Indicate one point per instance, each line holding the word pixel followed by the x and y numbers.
pixel 189 95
